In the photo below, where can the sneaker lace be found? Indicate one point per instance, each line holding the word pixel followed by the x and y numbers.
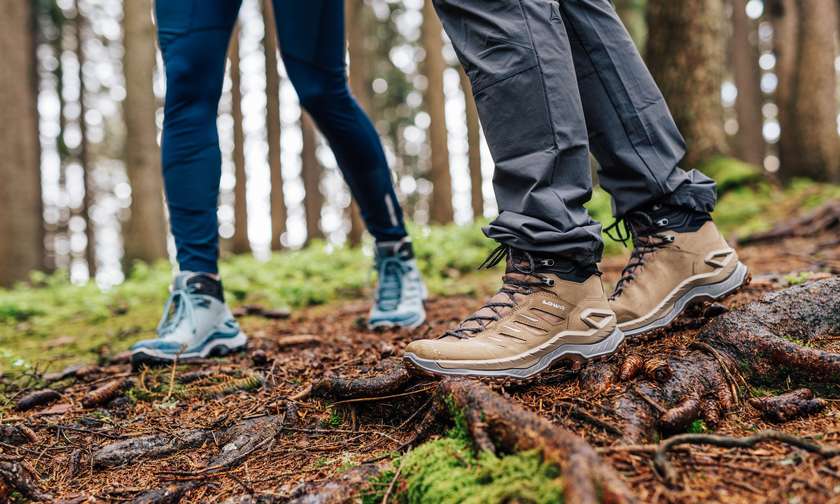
pixel 184 303
pixel 523 279
pixel 390 271
pixel 643 245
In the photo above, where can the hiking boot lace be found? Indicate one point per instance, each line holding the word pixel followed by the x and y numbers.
pixel 389 290
pixel 511 285
pixel 643 244
pixel 179 306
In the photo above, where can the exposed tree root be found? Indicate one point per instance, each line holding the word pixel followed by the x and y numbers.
pixel 13 477
pixel 824 218
pixel 669 474
pixel 788 406
pixel 393 378
pixel 762 343
pixel 498 424
pixel 494 419
pixel 347 487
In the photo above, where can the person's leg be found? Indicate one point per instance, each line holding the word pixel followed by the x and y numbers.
pixel 552 304
pixel 679 257
pixel 193 36
pixel 631 131
pixel 517 56
pixel 313 45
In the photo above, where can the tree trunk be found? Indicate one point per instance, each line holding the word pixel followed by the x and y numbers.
pixel 144 236
pixel 440 211
pixel 784 17
pixel 811 109
pixel 21 222
pixel 356 23
pixel 240 243
pixel 473 147
pixel 743 49
pixel 632 14
pixel 272 119
pixel 686 54
pixel 313 200
pixel 84 158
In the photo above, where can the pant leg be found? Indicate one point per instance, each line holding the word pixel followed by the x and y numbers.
pixel 194 37
pixel 517 56
pixel 313 46
pixel 631 131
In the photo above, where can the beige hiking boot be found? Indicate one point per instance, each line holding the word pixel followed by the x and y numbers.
pixel 670 269
pixel 535 319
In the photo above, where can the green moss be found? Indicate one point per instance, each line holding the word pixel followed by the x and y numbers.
pixel 758 207
pixel 446 471
pixel 730 173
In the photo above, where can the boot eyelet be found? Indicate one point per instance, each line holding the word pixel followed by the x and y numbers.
pixel 662 222
pixel 549 282
pixel 547 262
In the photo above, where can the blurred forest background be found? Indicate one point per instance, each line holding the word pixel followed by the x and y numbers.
pixel 81 92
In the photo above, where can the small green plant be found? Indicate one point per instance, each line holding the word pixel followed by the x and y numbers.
pixel 334 421
pixel 798 278
pixel 698 427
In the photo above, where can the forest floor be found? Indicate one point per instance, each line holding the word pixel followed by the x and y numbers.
pixel 58 444
pixel 320 409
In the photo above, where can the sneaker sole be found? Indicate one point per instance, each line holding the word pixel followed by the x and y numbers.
pixel 575 352
pixel 409 324
pixel 219 347
pixel 700 293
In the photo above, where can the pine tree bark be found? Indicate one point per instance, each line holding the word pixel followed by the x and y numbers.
pixel 785 19
pixel 473 147
pixel 440 211
pixel 743 50
pixel 686 55
pixel 313 200
pixel 84 158
pixel 144 235
pixel 812 108
pixel 356 24
pixel 273 127
pixel 240 243
pixel 21 221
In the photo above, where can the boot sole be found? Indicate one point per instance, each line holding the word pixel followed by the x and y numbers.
pixel 575 352
pixel 413 323
pixel 216 348
pixel 697 294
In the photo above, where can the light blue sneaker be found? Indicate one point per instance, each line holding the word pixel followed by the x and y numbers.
pixel 400 291
pixel 196 323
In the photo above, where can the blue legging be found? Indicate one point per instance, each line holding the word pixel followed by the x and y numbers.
pixel 194 36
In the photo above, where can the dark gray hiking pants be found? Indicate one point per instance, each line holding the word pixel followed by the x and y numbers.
pixel 552 80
